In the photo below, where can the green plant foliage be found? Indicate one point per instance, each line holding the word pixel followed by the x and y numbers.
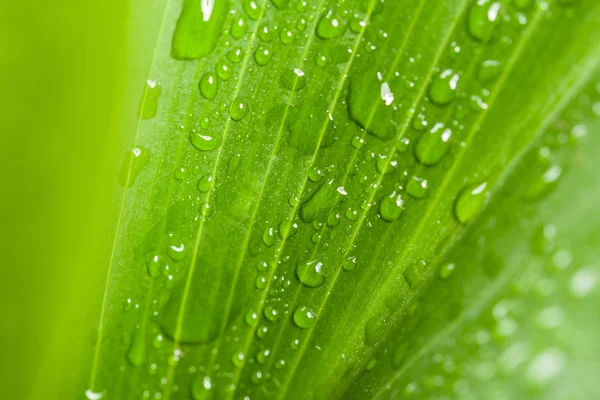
pixel 358 199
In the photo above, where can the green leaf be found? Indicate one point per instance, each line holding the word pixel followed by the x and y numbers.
pixel 358 199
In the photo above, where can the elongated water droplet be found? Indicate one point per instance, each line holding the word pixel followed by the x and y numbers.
pixel 482 19
pixel 310 273
pixel 203 141
pixel 154 265
pixel 331 25
pixel 320 202
pixel 469 201
pixel 304 317
pixel 432 145
pixel 252 9
pixel 490 70
pixel 238 109
pixel 447 270
pixel 239 27
pixel 391 207
pixel 198 28
pixel 545 182
pixel 137 349
pixel 134 162
pixel 149 103
pixel 224 71
pixel 269 236
pixel 443 88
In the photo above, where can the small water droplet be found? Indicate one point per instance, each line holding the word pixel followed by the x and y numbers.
pixel 490 70
pixel 443 87
pixel 262 55
pixel 235 55
pixel 432 145
pixel 349 263
pixel 293 79
pixel 263 355
pixel 149 103
pixel 238 109
pixel 286 36
pixel 321 60
pixel 310 273
pixel 447 270
pixel 251 318
pixel 203 141
pixel 269 236
pixel 416 187
pixel 304 317
pixel 239 27
pixel 252 9
pixel 331 25
pixel 391 207
pixel 271 313
pixel 134 162
pixel 205 183
pixel 482 19
pixel 469 201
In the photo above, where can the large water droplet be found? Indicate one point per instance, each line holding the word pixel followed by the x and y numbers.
pixel 432 145
pixel 310 273
pixel 198 28
pixel 469 201
pixel 203 141
pixel 208 86
pixel 239 27
pixel 252 9
pixel 416 187
pixel 262 55
pixel 293 79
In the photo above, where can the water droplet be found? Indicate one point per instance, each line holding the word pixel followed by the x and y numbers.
pixel 281 4
pixel 447 270
pixel 310 273
pixel 301 24
pixel 237 359
pixel 320 202
pixel 416 187
pixel 198 29
pixel 205 183
pixel 181 173
pixel 391 207
pixel 176 249
pixel 235 55
pixel 431 146
pixel 544 183
pixel 251 318
pixel 482 19
pixel 134 162
pixel 349 263
pixel 469 201
pixel 443 88
pixel 419 122
pixel 262 55
pixel 295 344
pixel 321 60
pixel 137 349
pixel 271 313
pixel 252 9
pixel 154 265
pixel 261 282
pixel 262 331
pixel 224 71
pixel 315 174
pixel 263 355
pixel 264 33
pixel 304 317
pixel 371 364
pixel 293 79
pixel 257 376
pixel 490 70
pixel 330 25
pixel 286 36
pixel 149 103
pixel 201 386
pixel 204 142
pixel 413 277
pixel 269 236
pixel 94 395
pixel 238 109
pixel 239 27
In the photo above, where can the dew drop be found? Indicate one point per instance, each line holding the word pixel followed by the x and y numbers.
pixel 154 265
pixel 134 162
pixel 235 55
pixel 443 88
pixel 349 263
pixel 252 9
pixel 330 25
pixel 271 313
pixel 304 317
pixel 269 236
pixel 310 273
pixel 224 71
pixel 447 270
pixel 239 27
pixel 286 36
pixel 149 103
pixel 293 79
pixel 205 183
pixel 262 55
pixel 391 207
pixel 137 349
pixel 204 142
pixel 431 146
pixel 490 70
pixel 469 201
pixel 251 318
pixel 416 187
pixel 238 109
pixel 321 60
pixel 482 19
pixel 237 359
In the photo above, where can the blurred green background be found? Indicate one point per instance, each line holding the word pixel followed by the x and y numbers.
pixel 64 72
